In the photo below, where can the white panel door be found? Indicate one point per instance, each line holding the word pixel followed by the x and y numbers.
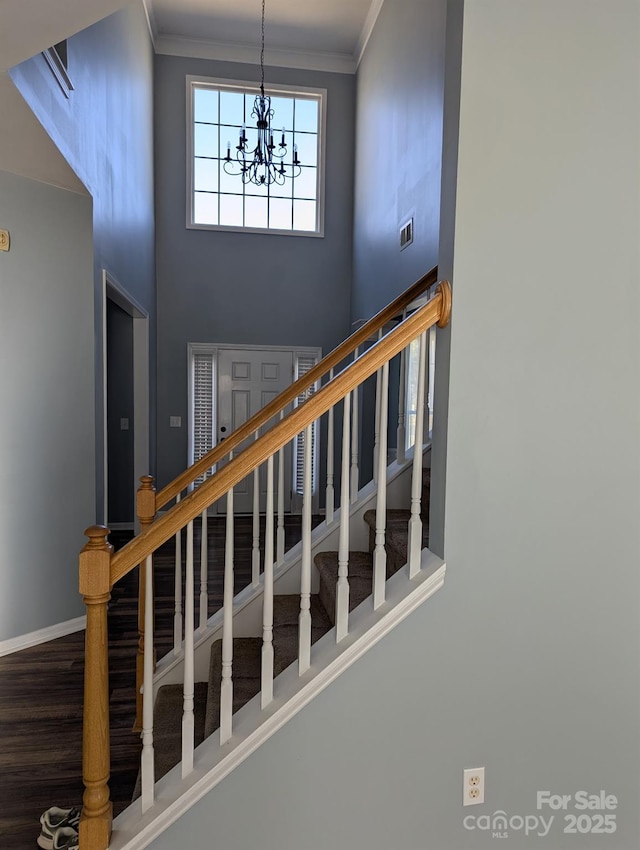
pixel 248 379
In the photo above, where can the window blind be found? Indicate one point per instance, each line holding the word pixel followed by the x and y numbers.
pixel 303 364
pixel 202 407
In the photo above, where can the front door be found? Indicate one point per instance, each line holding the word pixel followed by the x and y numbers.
pixel 248 379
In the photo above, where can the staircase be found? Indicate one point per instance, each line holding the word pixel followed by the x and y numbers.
pixel 247 651
pixel 235 678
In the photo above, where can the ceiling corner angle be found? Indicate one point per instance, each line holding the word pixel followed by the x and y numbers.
pixel 151 21
pixel 367 29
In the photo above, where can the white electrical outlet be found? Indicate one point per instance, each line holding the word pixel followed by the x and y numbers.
pixel 473 786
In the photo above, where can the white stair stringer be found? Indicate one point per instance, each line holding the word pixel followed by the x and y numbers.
pixel 252 726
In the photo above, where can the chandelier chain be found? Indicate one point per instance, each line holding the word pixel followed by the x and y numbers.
pixel 264 165
pixel 262 52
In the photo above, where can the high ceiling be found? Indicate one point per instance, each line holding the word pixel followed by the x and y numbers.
pixel 332 27
pixel 325 34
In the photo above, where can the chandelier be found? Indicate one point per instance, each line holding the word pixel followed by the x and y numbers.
pixel 264 164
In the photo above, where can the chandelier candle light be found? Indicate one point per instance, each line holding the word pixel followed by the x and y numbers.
pixel 264 164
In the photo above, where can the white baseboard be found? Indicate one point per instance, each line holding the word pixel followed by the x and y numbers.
pixel 15 644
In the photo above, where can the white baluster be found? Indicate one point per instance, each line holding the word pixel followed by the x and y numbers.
pixel 342 589
pixel 267 606
pixel 304 622
pixel 401 438
pixel 204 573
pixel 226 687
pixel 355 474
pixel 188 692
pixel 255 549
pixel 147 769
pixel 330 497
pixel 280 530
pixel 177 616
pixel 380 553
pixel 376 427
pixel 415 522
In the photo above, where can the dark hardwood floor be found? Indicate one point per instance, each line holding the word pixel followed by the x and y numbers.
pixel 41 692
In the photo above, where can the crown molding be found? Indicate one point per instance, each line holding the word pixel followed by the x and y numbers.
pixel 367 29
pixel 151 21
pixel 195 48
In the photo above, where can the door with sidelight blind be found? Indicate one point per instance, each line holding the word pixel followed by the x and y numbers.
pixel 228 386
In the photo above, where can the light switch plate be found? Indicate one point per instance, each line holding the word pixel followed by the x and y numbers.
pixel 175 422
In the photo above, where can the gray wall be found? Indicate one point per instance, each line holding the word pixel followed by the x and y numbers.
pixel 398 151
pixel 543 457
pixel 105 131
pixel 527 661
pixel 47 390
pixel 243 288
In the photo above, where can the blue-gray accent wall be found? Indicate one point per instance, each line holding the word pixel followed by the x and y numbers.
pixel 400 93
pixel 244 288
pixel 398 151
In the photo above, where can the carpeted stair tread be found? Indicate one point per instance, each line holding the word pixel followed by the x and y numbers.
pixel 360 579
pixel 396 518
pixel 246 657
pixel 167 712
pixel 167 727
pixel 286 610
pixel 396 534
pixel 247 654
pixel 397 547
pixel 246 672
pixel 399 515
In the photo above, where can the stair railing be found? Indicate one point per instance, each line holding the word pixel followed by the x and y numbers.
pixel 150 502
pixel 100 568
pixel 313 376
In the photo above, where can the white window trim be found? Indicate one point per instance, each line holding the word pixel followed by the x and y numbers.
pixel 251 85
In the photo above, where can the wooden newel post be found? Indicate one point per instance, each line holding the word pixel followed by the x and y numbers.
pixel 146 510
pixel 146 502
pixel 95 587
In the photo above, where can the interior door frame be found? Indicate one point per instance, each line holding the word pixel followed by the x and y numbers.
pixel 114 291
pixel 213 348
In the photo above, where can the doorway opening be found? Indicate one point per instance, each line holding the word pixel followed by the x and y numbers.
pixel 125 398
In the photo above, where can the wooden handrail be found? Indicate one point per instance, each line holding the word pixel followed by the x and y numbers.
pixel 331 360
pixel 436 310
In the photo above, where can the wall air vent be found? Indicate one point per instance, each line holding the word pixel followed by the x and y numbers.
pixel 406 234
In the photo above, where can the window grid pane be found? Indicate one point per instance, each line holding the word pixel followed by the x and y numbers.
pixel 220 199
